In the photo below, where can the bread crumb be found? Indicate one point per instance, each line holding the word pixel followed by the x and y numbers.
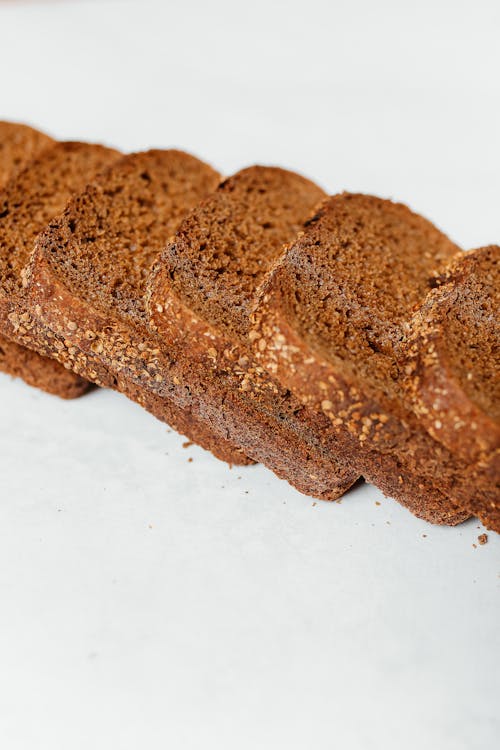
pixel 482 538
pixel 377 502
pixel 187 444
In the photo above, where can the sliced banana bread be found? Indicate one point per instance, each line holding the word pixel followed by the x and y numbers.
pixel 36 191
pixel 201 296
pixel 452 373
pixel 328 326
pixel 87 279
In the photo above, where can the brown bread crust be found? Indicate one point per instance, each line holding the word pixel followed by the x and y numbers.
pixel 328 326
pixel 451 362
pixel 201 294
pixel 86 280
pixel 35 192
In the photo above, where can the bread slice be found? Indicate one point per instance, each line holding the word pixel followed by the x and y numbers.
pixel 452 373
pixel 19 144
pixel 328 325
pixel 86 284
pixel 36 191
pixel 201 295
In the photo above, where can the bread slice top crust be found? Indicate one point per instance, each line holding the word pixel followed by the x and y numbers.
pixel 34 196
pixel 19 144
pixel 347 286
pixel 452 356
pixel 104 243
pixel 224 248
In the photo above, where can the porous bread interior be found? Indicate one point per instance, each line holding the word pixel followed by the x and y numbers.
pixel 346 287
pixel 18 145
pixel 36 195
pixel 471 331
pixel 225 247
pixel 107 238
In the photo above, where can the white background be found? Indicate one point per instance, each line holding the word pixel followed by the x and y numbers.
pixel 151 602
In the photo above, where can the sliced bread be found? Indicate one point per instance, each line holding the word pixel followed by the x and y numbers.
pixel 86 284
pixel 201 296
pixel 328 326
pixel 19 144
pixel 37 190
pixel 451 365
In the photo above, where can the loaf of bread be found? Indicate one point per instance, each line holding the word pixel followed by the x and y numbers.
pixel 329 338
pixel 38 189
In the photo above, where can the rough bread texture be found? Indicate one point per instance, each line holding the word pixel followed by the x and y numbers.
pixel 452 373
pixel 201 295
pixel 19 144
pixel 27 202
pixel 87 277
pixel 329 324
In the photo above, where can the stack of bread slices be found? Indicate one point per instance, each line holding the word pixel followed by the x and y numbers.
pixel 330 338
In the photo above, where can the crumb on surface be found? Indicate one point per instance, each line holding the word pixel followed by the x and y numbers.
pixel 187 444
pixel 482 538
pixel 377 502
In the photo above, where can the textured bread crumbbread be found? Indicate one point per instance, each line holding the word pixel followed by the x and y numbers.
pixel 451 366
pixel 27 202
pixel 329 324
pixel 201 296
pixel 87 276
pixel 19 144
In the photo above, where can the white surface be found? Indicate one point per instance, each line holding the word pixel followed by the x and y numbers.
pixel 149 602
